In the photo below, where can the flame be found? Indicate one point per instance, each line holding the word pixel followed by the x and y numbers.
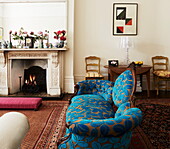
pixel 33 77
pixel 31 80
pixel 26 81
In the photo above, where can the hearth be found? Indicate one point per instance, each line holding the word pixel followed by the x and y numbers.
pixel 31 71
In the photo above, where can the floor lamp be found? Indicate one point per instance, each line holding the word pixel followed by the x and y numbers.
pixel 126 43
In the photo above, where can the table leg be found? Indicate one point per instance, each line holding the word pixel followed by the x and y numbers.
pixel 109 74
pixel 148 82
pixel 141 80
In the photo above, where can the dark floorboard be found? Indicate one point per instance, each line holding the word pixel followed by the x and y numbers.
pixel 163 96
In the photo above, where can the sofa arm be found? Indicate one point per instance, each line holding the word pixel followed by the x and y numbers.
pixel 13 128
pixel 108 127
pixel 121 109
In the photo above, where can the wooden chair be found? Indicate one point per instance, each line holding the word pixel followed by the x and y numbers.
pixel 160 72
pixel 93 68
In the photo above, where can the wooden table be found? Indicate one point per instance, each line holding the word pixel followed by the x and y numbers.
pixel 113 72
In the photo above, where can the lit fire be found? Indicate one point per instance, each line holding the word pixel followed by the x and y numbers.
pixel 31 80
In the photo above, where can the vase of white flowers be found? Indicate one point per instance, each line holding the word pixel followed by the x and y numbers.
pixel 20 37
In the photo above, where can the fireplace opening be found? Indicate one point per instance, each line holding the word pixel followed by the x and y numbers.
pixel 34 80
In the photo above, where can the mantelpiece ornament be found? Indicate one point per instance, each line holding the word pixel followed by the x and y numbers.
pixel 2 59
pixel 55 59
pixel 27 54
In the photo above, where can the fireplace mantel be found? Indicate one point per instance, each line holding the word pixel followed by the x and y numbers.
pixel 55 66
pixel 36 49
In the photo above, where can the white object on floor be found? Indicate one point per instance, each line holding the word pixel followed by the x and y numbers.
pixel 13 128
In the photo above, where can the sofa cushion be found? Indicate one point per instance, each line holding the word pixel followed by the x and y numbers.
pixel 123 87
pixel 164 74
pixel 96 87
pixel 92 108
pixel 87 98
pixel 107 127
pixel 20 103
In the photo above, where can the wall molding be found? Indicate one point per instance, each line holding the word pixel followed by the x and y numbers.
pixel 31 1
pixel 68 84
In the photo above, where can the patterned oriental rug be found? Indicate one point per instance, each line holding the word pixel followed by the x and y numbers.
pixel 154 130
pixel 47 125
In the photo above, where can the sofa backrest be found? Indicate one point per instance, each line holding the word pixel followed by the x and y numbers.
pixel 124 87
pixel 96 87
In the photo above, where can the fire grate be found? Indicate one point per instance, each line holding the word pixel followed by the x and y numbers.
pixel 34 80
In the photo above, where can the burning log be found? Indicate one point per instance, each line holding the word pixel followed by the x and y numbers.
pixel 30 85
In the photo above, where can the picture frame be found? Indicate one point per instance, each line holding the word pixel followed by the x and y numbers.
pixel 125 19
pixel 29 42
pixel 114 63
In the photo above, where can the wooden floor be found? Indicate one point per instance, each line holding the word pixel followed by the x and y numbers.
pixel 141 97
pixel 163 97
pixel 143 94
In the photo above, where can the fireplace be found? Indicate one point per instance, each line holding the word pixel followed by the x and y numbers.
pixel 34 80
pixel 36 70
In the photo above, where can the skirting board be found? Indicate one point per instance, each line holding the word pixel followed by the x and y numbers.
pixel 68 84
pixel 79 78
pixel 3 91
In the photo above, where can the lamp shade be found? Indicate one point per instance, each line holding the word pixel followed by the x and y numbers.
pixel 126 42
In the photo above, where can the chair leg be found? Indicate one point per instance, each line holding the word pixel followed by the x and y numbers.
pixel 166 83
pixel 157 92
pixel 157 86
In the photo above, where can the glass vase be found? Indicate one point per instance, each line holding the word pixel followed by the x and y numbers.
pixel 20 44
pixel 41 44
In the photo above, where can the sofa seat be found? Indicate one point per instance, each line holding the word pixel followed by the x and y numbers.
pixel 88 98
pixel 89 107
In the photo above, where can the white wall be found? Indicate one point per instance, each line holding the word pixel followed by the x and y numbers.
pixel 34 17
pixel 0 15
pixel 54 23
pixel 93 33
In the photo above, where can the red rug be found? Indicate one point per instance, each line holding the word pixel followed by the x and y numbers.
pixel 155 125
pixel 140 140
pixel 46 125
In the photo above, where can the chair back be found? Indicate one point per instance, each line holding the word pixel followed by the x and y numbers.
pixel 124 87
pixel 160 63
pixel 92 64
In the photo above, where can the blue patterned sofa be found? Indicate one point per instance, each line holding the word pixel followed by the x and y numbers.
pixel 92 122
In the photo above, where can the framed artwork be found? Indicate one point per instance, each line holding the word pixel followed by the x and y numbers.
pixel 29 42
pixel 125 17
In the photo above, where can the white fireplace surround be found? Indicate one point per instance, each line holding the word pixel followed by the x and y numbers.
pixel 69 55
pixel 14 61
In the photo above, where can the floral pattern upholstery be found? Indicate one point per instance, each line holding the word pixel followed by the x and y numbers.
pixel 93 124
pixel 96 87
pixel 95 108
pixel 123 88
pixel 120 111
pixel 165 74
